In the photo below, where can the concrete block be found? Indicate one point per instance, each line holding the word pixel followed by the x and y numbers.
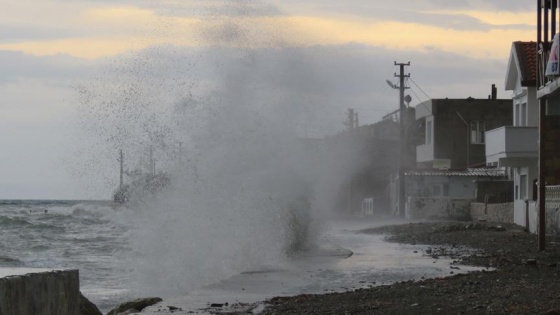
pixel 39 292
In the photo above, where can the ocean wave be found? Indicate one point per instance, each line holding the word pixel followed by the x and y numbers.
pixel 6 221
pixel 10 261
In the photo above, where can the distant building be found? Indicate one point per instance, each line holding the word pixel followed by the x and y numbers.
pixel 454 131
pixel 378 147
pixel 445 194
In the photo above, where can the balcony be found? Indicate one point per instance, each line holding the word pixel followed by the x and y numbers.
pixel 512 146
pixel 425 153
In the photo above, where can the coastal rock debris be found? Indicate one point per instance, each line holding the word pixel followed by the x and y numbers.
pixel 137 304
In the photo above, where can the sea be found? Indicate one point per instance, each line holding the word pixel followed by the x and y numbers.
pixel 91 236
pixel 98 237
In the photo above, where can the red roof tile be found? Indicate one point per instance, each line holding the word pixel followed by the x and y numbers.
pixel 527 56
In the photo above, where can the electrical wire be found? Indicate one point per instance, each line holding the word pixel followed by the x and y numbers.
pixel 409 78
pixel 417 97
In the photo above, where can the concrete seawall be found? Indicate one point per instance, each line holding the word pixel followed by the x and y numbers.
pixel 39 292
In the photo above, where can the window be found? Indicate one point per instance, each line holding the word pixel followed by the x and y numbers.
pixel 523 119
pixel 428 132
pixel 523 187
pixel 440 190
pixel 477 132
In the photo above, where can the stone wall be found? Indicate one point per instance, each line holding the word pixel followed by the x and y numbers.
pixel 42 293
pixel 496 212
pixel 424 208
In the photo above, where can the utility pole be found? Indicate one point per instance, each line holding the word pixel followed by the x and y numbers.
pixel 350 123
pixel 121 161
pixel 542 175
pixel 351 116
pixel 152 163
pixel 402 137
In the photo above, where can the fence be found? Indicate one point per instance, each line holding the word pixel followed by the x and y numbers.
pixel 553 209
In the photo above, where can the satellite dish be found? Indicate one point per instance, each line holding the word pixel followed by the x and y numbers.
pixel 407 99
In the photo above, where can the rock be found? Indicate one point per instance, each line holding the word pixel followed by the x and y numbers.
pixel 498 228
pixel 137 304
pixel 87 307
pixel 530 262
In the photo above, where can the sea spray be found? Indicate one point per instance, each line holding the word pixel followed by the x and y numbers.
pixel 230 125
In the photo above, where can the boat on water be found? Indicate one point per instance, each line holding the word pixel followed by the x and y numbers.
pixel 140 187
pixel 140 183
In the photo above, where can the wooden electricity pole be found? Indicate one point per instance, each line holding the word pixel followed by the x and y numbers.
pixel 402 137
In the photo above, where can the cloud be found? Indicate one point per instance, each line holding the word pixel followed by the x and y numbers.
pixel 18 66
pixel 489 5
pixel 17 33
pixel 104 29
pixel 329 54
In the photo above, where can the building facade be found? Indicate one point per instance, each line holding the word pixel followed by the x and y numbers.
pixel 516 147
pixel 455 131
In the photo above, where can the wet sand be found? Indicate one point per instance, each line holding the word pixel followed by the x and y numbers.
pixel 516 278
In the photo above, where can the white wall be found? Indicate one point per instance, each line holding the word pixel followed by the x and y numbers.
pixel 423 109
pixel 459 186
pixel 438 208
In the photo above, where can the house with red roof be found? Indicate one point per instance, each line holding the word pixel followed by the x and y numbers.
pixel 515 147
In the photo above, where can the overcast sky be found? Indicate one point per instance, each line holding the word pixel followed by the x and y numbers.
pixel 56 54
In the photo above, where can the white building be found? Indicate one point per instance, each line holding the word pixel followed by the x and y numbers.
pixel 516 146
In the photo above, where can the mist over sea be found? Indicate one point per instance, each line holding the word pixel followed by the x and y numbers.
pixel 235 125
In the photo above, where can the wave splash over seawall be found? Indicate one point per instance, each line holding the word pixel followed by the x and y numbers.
pixel 231 126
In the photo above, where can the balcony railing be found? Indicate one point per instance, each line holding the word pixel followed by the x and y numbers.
pixel 511 146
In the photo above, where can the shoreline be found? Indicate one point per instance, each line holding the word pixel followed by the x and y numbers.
pixel 514 277
pixel 518 280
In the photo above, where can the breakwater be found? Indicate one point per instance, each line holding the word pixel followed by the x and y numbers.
pixel 28 292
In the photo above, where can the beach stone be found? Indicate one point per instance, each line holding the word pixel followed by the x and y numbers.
pixel 87 307
pixel 137 304
pixel 129 311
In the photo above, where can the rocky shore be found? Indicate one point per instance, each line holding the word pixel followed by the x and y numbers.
pixel 516 278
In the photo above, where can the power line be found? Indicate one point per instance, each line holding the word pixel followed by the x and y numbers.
pixel 416 95
pixel 419 88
